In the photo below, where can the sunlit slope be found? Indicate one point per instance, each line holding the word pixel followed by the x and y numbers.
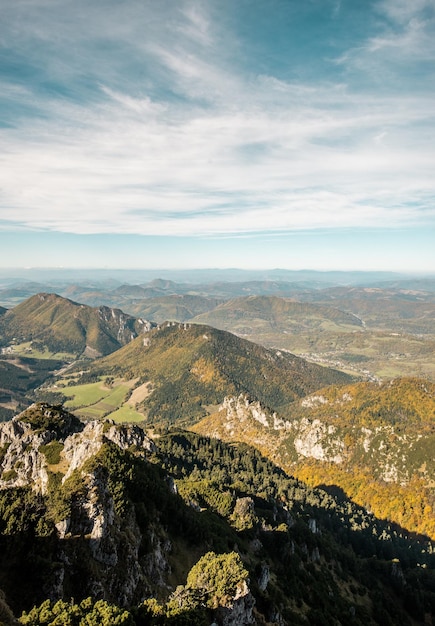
pixel 63 325
pixel 179 308
pixel 375 442
pixel 371 333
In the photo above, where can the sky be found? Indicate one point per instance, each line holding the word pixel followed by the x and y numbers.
pixel 214 133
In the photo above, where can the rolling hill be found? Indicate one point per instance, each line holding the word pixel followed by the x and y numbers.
pixel 410 310
pixel 262 315
pixel 179 308
pixel 373 333
pixel 396 336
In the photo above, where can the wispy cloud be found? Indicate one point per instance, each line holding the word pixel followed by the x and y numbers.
pixel 403 39
pixel 176 137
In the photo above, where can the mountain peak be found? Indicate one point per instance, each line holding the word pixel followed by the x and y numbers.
pixel 43 438
pixel 62 325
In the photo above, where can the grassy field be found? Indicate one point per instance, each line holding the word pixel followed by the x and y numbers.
pixel 97 400
pixel 27 350
pixel 85 395
pixel 384 354
pixel 126 414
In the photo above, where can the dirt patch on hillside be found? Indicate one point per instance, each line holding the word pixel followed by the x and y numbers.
pixel 140 393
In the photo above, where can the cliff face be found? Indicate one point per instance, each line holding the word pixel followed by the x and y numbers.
pixel 63 325
pixel 96 509
pixel 393 454
pixel 51 453
pixel 374 442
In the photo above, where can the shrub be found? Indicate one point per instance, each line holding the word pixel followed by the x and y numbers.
pixel 217 577
pixel 52 452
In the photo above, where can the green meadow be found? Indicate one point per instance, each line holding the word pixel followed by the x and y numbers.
pixel 126 414
pixel 96 400
pixel 85 395
pixel 27 349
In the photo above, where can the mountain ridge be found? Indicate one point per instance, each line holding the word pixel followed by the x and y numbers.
pixel 366 438
pixel 61 324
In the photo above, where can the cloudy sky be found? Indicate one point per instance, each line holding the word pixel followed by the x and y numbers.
pixel 218 133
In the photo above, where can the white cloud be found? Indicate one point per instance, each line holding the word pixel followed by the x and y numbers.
pixel 226 152
pixel 403 11
pixel 404 39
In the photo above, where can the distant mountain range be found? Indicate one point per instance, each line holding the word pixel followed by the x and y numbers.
pixel 303 415
pixel 315 422
pixel 262 315
pixel 120 276
pixel 396 319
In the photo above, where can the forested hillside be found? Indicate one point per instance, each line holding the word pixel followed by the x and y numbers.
pixel 61 325
pixel 373 441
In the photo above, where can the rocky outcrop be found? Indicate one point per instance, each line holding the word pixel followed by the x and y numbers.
pixel 21 463
pixel 394 456
pixel 241 409
pixel 125 328
pixel 239 609
pixel 23 460
pixel 80 447
pixel 317 440
pixel 89 531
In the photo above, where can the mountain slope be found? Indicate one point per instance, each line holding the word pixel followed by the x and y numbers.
pixel 374 333
pixel 401 310
pixel 66 326
pixel 373 441
pixel 187 530
pixel 191 367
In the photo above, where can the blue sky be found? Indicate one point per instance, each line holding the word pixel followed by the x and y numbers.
pixel 252 134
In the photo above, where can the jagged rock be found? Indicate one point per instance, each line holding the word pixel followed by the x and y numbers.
pixel 318 440
pixel 239 611
pixel 113 543
pixel 21 463
pixel 243 515
pixel 127 436
pixel 156 564
pixel 241 409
